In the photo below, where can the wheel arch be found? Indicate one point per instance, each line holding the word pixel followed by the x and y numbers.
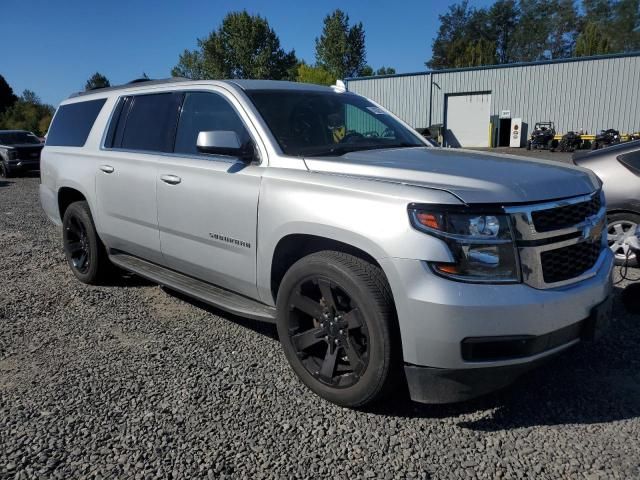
pixel 66 196
pixel 615 211
pixel 294 246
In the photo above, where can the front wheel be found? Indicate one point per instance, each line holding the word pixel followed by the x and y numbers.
pixel 5 172
pixel 335 322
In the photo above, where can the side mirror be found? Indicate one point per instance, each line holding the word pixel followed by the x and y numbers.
pixel 224 142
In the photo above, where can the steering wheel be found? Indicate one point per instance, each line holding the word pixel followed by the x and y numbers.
pixel 389 133
pixel 352 137
pixel 371 134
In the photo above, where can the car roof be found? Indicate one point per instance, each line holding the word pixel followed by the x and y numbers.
pixel 246 85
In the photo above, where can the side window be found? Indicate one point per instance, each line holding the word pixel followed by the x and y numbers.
pixel 150 123
pixel 203 112
pixel 632 161
pixel 73 122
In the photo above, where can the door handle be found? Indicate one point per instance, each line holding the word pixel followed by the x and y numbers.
pixel 170 179
pixel 107 168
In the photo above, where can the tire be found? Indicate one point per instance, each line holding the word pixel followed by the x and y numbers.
pixel 620 225
pixel 350 361
pixel 83 249
pixel 4 170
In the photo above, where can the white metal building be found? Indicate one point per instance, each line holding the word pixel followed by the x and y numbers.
pixel 477 106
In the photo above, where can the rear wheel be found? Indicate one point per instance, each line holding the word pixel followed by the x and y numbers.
pixel 335 322
pixel 84 250
pixel 619 227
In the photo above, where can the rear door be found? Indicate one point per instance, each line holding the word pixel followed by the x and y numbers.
pixel 208 204
pixel 141 131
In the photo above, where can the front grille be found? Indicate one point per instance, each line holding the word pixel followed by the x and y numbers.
pixel 568 262
pixel 566 216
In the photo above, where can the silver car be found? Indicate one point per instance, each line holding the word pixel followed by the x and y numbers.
pixel 386 263
pixel 618 167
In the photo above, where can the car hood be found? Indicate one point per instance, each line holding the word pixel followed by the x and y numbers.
pixel 474 177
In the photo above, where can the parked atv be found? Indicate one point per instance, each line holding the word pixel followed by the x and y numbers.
pixel 542 136
pixel 570 142
pixel 606 138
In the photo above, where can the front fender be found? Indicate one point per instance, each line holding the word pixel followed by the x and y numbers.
pixel 368 215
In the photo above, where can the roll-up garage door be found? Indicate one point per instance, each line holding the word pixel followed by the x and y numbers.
pixel 467 120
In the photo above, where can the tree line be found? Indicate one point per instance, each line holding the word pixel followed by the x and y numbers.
pixel 245 46
pixel 512 31
pixel 24 112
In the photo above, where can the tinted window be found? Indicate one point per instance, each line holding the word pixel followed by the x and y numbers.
pixel 204 112
pixel 631 161
pixel 73 122
pixel 328 123
pixel 150 122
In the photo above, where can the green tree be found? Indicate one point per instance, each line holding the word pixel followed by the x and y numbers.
pixel 341 47
pixel 97 80
pixel 7 97
pixel 244 46
pixel 592 41
pixel 28 113
pixel 466 37
pixel 318 75
pixel 386 71
pixel 616 20
pixel 501 22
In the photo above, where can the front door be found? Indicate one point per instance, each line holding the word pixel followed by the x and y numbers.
pixel 208 204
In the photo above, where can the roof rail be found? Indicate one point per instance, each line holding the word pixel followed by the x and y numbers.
pixel 130 84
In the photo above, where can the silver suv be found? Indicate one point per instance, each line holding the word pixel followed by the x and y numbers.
pixel 383 261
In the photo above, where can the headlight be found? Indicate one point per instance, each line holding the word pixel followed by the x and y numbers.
pixel 481 244
pixel 12 154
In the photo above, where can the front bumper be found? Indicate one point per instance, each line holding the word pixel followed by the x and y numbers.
pixel 436 315
pixel 24 164
pixel 442 385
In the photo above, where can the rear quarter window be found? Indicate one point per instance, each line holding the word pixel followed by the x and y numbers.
pixel 73 122
pixel 631 161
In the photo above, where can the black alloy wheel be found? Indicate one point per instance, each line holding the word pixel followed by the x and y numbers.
pixel 86 255
pixel 328 332
pixel 337 325
pixel 77 243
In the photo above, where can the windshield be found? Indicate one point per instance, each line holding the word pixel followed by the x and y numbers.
pixel 18 138
pixel 312 123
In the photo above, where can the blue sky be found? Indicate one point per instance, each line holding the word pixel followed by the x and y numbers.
pixel 52 47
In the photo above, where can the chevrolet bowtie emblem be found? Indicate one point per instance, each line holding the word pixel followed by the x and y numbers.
pixel 592 228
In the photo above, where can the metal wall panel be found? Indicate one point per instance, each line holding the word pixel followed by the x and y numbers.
pixel 591 94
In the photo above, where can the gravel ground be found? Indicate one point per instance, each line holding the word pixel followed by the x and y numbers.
pixel 130 381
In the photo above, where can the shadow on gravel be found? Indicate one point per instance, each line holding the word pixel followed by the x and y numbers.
pixel 591 383
pixel 125 279
pixel 4 183
pixel 263 328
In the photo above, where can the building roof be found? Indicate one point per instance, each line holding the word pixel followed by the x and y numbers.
pixel 506 65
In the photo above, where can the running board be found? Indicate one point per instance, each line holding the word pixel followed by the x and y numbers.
pixel 203 291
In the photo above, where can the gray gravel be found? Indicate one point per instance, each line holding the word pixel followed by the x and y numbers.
pixel 130 381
